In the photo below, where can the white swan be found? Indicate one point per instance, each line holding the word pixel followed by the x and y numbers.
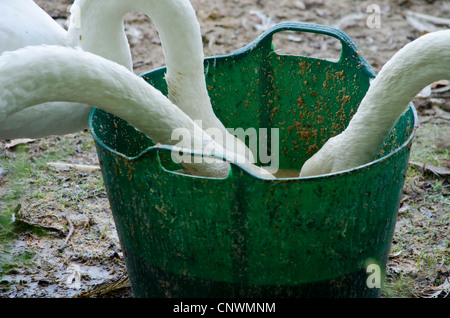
pixel 23 23
pixel 417 64
pixel 65 74
pixel 99 29
pixel 181 40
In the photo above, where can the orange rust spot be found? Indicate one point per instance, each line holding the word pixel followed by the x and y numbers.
pixel 300 101
pixel 306 135
pixel 275 109
pixel 312 149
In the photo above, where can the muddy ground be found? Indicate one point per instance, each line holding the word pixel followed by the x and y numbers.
pixel 57 236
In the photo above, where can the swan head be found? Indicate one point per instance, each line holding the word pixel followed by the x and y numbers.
pixel 337 154
pixel 323 161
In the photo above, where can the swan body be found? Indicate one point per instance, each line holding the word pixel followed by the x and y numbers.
pixel 24 23
pixel 417 64
pixel 56 73
pixel 100 30
pixel 181 41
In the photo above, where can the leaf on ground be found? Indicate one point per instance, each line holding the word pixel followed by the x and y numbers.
pixel 443 172
pixel 443 144
pixel 25 226
pixel 16 142
pixel 440 86
pixel 22 224
pixel 106 288
pixel 442 290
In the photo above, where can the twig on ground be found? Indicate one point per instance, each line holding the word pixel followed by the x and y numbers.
pixel 71 230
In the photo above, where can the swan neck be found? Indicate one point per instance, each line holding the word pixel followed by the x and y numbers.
pixel 179 31
pixel 69 75
pixel 415 66
pixel 182 45
pixel 97 26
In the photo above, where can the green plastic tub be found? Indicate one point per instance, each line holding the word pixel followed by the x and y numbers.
pixel 185 236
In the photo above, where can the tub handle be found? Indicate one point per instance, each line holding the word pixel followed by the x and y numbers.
pixel 349 50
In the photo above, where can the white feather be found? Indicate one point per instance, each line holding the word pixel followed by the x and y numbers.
pixel 71 75
pixel 98 28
